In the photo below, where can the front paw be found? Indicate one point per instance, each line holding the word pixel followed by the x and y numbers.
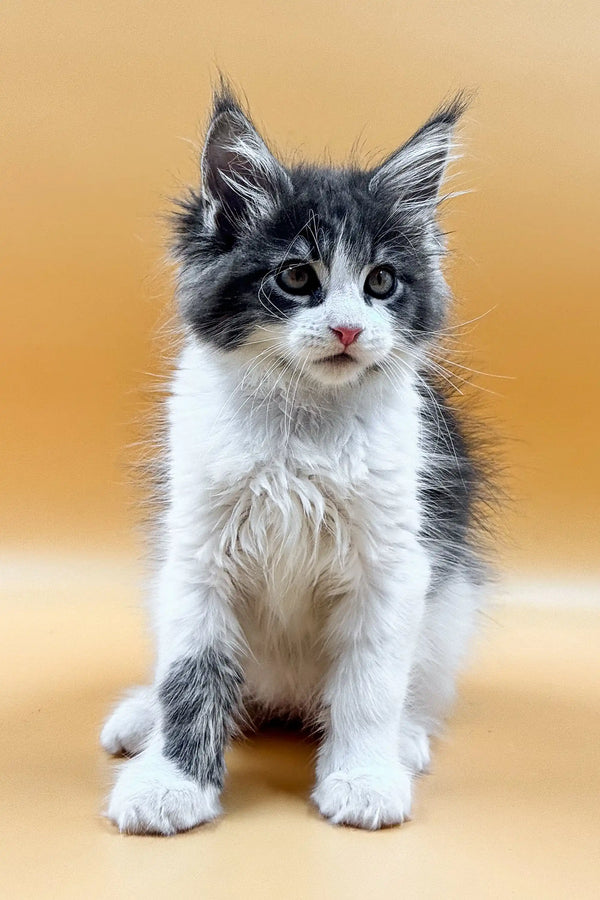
pixel 364 797
pixel 151 796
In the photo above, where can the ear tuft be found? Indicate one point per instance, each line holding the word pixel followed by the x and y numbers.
pixel 450 111
pixel 224 99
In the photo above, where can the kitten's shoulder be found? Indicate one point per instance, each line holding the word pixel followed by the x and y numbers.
pixel 195 399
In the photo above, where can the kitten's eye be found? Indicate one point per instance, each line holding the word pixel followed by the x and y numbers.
pixel 298 279
pixel 380 282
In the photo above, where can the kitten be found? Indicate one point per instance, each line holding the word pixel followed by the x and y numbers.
pixel 318 542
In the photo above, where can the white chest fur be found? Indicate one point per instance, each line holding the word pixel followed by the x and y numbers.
pixel 286 507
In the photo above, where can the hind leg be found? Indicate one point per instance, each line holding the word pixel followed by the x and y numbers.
pixel 130 724
pixel 448 624
pixel 414 747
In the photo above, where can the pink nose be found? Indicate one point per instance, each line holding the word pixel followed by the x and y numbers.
pixel 347 335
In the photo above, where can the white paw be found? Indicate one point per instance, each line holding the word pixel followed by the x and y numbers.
pixel 130 724
pixel 366 798
pixel 414 748
pixel 151 796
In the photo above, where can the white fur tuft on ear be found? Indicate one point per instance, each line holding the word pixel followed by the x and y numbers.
pixel 412 175
pixel 240 176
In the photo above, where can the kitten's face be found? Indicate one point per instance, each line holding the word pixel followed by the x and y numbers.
pixel 326 275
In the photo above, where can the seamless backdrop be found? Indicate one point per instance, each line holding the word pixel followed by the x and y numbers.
pixel 103 105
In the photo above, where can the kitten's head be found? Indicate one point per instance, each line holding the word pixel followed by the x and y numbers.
pixel 325 273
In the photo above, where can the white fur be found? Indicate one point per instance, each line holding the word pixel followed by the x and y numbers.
pixel 365 797
pixel 151 796
pixel 127 729
pixel 292 539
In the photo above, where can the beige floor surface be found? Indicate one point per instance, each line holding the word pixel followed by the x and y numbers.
pixel 511 809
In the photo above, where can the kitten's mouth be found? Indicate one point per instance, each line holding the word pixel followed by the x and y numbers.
pixel 337 359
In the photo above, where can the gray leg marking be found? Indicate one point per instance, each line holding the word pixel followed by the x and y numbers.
pixel 199 698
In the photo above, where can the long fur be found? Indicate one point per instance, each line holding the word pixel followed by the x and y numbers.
pixel 319 554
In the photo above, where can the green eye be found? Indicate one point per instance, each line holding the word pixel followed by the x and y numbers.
pixel 298 279
pixel 380 282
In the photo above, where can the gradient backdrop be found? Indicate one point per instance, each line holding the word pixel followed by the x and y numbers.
pixel 103 105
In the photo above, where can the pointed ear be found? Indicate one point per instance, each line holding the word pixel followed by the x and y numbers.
pixel 241 179
pixel 412 175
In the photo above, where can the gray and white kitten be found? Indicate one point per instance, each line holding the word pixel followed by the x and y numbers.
pixel 318 543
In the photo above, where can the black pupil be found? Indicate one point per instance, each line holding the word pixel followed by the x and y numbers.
pixel 297 277
pixel 380 280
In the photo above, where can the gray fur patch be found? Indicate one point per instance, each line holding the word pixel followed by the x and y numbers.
pixel 199 698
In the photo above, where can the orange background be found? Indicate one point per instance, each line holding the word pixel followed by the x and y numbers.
pixel 103 106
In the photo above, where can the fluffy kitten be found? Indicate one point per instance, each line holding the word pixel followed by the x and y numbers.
pixel 318 557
